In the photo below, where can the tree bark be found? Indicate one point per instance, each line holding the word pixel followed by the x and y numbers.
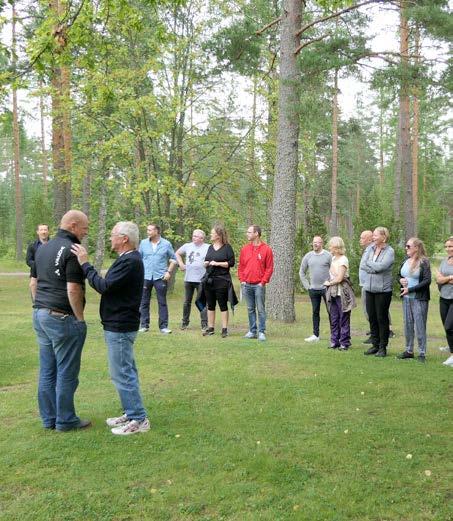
pixel 333 211
pixel 415 132
pixel 16 148
pixel 45 166
pixel 102 220
pixel 281 288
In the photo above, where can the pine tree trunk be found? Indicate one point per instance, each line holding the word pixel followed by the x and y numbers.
pixel 102 220
pixel 45 166
pixel 333 212
pixel 16 149
pixel 415 133
pixel 281 288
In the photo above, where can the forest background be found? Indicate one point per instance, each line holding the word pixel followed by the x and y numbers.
pixel 140 109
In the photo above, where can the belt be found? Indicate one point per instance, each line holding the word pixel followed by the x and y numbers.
pixel 57 312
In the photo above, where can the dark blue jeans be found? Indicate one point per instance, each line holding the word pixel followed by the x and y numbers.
pixel 316 295
pixel 60 342
pixel 160 286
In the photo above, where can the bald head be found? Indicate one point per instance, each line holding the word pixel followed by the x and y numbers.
pixel 366 238
pixel 75 222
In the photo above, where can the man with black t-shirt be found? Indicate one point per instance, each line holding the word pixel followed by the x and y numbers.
pixel 58 293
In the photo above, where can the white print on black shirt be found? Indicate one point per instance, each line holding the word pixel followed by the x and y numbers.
pixel 57 260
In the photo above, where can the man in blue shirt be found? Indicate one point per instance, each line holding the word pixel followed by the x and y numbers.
pixel 159 261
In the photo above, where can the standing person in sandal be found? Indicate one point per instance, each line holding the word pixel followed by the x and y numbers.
pixel 58 293
pixel 194 270
pixel 317 263
pixel 120 317
pixel 256 264
pixel 415 278
pixel 159 261
pixel 218 286
pixel 444 279
pixel 377 262
pixel 340 296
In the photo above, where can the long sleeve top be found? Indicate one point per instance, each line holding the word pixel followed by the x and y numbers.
pixel 379 269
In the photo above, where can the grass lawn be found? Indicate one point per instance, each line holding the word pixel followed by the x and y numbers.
pixel 240 430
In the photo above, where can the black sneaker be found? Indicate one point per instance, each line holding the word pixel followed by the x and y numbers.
pixel 367 341
pixel 371 351
pixel 391 334
pixel 406 354
pixel 224 332
pixel 184 327
pixel 421 358
pixel 208 331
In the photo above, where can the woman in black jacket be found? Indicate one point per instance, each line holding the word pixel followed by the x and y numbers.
pixel 415 278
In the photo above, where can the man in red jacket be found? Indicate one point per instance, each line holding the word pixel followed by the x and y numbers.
pixel 256 264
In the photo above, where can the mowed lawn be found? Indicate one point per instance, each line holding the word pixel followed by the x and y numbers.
pixel 240 430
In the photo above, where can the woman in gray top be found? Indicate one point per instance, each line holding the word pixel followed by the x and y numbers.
pixel 444 279
pixel 377 262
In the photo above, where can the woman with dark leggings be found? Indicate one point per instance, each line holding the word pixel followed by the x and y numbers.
pixel 218 261
pixel 444 279
pixel 378 261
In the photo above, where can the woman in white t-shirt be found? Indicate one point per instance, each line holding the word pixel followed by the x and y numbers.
pixel 340 330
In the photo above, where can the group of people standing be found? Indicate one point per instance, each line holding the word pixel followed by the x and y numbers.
pixel 59 271
pixel 329 281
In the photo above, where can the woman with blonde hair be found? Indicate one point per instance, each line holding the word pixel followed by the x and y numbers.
pixel 378 262
pixel 444 279
pixel 415 278
pixel 339 296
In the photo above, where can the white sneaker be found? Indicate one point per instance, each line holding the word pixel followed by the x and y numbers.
pixel 312 338
pixel 132 427
pixel 261 337
pixel 445 349
pixel 143 330
pixel 165 331
pixel 250 335
pixel 449 361
pixel 117 422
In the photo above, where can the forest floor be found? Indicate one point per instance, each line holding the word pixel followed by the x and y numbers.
pixel 241 430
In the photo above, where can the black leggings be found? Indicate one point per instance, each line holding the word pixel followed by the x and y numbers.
pixel 377 307
pixel 446 314
pixel 219 295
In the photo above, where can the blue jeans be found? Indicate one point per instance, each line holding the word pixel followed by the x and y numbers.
pixel 161 293
pixel 255 296
pixel 123 372
pixel 60 342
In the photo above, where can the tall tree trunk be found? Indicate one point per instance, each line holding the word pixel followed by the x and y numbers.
pixel 102 222
pixel 397 179
pixel 415 131
pixel 45 166
pixel 405 138
pixel 333 211
pixel 281 288
pixel 381 144
pixel 16 148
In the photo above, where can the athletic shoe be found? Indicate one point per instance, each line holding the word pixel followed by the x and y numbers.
pixel 444 349
pixel 391 334
pixel 184 326
pixel 367 341
pixel 117 422
pixel 143 330
pixel 249 334
pixel 333 346
pixel 132 427
pixel 404 355
pixel 343 348
pixel 421 358
pixel 261 337
pixel 208 331
pixel 165 331
pixel 448 361
pixel 224 332
pixel 312 338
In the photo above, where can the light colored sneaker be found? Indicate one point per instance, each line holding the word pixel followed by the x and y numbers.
pixel 445 349
pixel 249 334
pixel 261 337
pixel 165 331
pixel 449 361
pixel 132 427
pixel 117 422
pixel 312 338
pixel 143 330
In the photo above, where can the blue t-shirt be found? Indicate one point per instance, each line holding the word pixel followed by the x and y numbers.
pixel 413 277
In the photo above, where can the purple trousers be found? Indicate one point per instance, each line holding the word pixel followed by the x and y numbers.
pixel 340 330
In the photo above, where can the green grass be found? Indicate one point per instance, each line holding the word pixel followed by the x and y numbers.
pixel 240 431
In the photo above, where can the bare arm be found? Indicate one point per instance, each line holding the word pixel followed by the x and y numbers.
pixel 75 296
pixel 33 286
pixel 180 260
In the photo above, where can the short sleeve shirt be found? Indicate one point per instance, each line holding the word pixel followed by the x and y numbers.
pixel 194 260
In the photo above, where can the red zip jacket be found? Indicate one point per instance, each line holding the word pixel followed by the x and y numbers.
pixel 256 264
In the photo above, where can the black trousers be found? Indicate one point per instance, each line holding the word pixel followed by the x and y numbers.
pixel 189 289
pixel 446 314
pixel 377 307
pixel 316 295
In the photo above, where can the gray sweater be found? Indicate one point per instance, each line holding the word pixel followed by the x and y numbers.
pixel 318 265
pixel 379 271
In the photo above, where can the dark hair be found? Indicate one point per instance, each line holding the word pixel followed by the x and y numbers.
pixel 221 232
pixel 41 224
pixel 155 226
pixel 256 229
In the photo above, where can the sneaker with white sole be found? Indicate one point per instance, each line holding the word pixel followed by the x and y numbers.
pixel 165 331
pixel 132 427
pixel 143 330
pixel 445 349
pixel 448 361
pixel 312 338
pixel 261 337
pixel 249 334
pixel 117 422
